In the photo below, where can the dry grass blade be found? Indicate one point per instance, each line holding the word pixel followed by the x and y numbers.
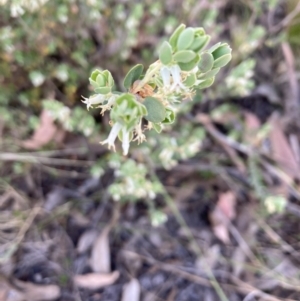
pixel 95 281
pixel 239 285
pixel 131 291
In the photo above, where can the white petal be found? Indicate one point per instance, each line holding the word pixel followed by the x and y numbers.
pixel 166 76
pixel 125 142
pixel 175 71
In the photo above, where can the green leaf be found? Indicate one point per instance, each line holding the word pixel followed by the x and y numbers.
pixel 157 127
pixel 185 39
pixel 133 74
pixel 222 61
pixel 209 74
pixel 214 47
pixel 206 62
pixel 199 43
pixel 100 80
pixel 190 80
pixel 222 50
pixel 199 31
pixel 170 117
pixel 184 56
pixel 174 37
pixel 165 53
pixel 93 83
pixel 95 74
pixel 206 83
pixel 103 90
pixel 190 65
pixel 110 80
pixel 156 110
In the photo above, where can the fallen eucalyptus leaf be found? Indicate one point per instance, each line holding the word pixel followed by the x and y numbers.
pixel 95 281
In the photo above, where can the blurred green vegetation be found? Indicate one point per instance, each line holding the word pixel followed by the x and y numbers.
pixel 49 48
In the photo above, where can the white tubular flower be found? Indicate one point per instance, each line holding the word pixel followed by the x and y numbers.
pixel 125 142
pixel 140 137
pixel 110 103
pixel 166 76
pixel 93 100
pixel 175 71
pixel 113 135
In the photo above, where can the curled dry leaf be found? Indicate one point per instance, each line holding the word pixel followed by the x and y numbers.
pixel 34 292
pixel 223 213
pixel 131 291
pixel 95 281
pixel 100 257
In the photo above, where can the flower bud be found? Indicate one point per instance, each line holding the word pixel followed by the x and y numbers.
pixel 102 81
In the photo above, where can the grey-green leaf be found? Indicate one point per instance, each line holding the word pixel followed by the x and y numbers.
pixel 190 80
pixel 156 110
pixel 206 62
pixel 222 61
pixel 165 53
pixel 184 56
pixel 133 74
pixel 174 37
pixel 199 43
pixel 185 39
pixel 190 65
pixel 206 83
pixel 209 74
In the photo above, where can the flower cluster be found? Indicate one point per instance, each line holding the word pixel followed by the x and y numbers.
pixel 184 66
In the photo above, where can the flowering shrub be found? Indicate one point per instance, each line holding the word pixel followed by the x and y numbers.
pixel 183 68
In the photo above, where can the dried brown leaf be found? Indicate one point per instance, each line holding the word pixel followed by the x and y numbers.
pixel 46 132
pixel 100 257
pixel 131 291
pixel 252 125
pixel 95 281
pixel 226 204
pixel 34 292
pixel 281 149
pixel 8 293
pixel 223 213
pixel 86 241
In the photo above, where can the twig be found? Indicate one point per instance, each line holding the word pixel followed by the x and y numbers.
pixel 292 103
pixel 43 160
